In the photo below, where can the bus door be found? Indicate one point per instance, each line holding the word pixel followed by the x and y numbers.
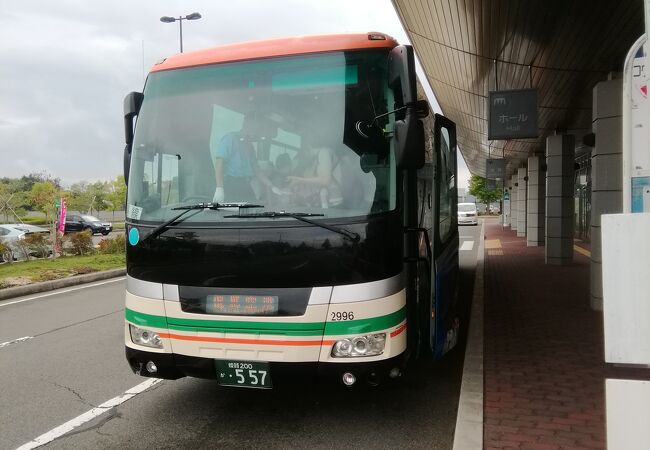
pixel 438 243
pixel 444 313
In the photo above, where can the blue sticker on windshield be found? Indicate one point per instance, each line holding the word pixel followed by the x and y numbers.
pixel 134 236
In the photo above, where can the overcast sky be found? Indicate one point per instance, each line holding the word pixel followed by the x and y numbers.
pixel 67 65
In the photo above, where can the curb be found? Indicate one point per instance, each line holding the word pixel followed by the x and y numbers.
pixel 469 421
pixel 74 280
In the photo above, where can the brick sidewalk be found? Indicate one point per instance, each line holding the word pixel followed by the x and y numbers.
pixel 544 369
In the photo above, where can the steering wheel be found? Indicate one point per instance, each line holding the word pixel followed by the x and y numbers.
pixel 197 198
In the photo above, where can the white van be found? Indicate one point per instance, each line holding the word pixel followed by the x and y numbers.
pixel 467 214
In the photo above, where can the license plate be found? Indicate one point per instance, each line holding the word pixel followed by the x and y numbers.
pixel 251 374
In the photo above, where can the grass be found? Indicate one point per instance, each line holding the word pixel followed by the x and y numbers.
pixel 36 220
pixel 51 269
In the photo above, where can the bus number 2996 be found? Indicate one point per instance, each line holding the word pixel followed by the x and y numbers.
pixel 345 315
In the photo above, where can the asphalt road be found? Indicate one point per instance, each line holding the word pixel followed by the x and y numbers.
pixel 72 360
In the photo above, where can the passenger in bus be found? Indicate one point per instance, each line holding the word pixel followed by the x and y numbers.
pixel 314 183
pixel 236 164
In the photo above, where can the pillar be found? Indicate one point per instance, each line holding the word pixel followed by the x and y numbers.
pixel 521 202
pixel 560 160
pixel 536 203
pixel 513 203
pixel 505 214
pixel 606 173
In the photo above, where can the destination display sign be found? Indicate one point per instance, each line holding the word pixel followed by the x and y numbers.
pixel 512 114
pixel 250 305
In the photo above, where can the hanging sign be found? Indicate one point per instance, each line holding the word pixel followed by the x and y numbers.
pixel 512 114
pixel 495 169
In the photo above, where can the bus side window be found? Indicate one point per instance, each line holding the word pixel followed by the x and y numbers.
pixel 446 187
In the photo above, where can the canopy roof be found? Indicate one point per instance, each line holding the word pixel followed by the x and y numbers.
pixel 563 48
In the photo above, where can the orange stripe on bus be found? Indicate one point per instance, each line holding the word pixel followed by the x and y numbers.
pixel 398 331
pixel 299 45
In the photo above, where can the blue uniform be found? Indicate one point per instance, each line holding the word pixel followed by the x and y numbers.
pixel 237 156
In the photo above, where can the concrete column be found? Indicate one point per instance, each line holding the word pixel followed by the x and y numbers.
pixel 560 160
pixel 536 207
pixel 513 203
pixel 606 173
pixel 521 202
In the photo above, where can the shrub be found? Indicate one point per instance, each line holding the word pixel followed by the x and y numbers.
pixel 5 253
pixel 21 248
pixel 78 243
pixel 38 244
pixel 114 245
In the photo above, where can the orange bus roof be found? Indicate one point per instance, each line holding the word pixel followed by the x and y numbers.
pixel 277 47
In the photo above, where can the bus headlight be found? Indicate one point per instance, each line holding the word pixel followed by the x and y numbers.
pixel 368 345
pixel 144 337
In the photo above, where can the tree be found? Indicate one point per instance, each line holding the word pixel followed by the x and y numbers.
pixel 478 188
pixel 116 198
pixel 80 197
pixel 99 191
pixel 42 197
pixel 13 201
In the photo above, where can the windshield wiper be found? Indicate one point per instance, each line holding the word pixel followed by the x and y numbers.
pixel 354 237
pixel 198 207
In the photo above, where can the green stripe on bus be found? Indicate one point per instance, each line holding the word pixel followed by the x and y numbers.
pixel 365 325
pixel 146 320
pixel 283 328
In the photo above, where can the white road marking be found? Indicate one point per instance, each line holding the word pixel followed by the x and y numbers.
pixel 467 245
pixel 26 338
pixel 89 415
pixel 62 292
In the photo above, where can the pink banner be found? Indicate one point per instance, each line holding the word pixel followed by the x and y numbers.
pixel 62 217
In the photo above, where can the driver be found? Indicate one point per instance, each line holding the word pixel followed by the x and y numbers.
pixel 236 164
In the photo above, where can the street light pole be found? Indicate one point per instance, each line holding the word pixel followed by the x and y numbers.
pixel 180 27
pixel 167 19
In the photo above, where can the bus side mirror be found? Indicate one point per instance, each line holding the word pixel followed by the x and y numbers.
pixel 409 131
pixel 132 104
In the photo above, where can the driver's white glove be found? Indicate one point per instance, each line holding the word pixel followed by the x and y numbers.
pixel 218 195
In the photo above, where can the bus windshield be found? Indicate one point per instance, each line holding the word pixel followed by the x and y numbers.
pixel 280 132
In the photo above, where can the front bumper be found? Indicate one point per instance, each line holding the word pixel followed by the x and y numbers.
pixel 173 366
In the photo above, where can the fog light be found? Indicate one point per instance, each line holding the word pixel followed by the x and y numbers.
pixel 349 379
pixel 151 367
pixel 368 345
pixel 144 337
pixel 394 372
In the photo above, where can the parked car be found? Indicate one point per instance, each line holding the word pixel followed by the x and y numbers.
pixel 467 214
pixel 11 234
pixel 81 222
